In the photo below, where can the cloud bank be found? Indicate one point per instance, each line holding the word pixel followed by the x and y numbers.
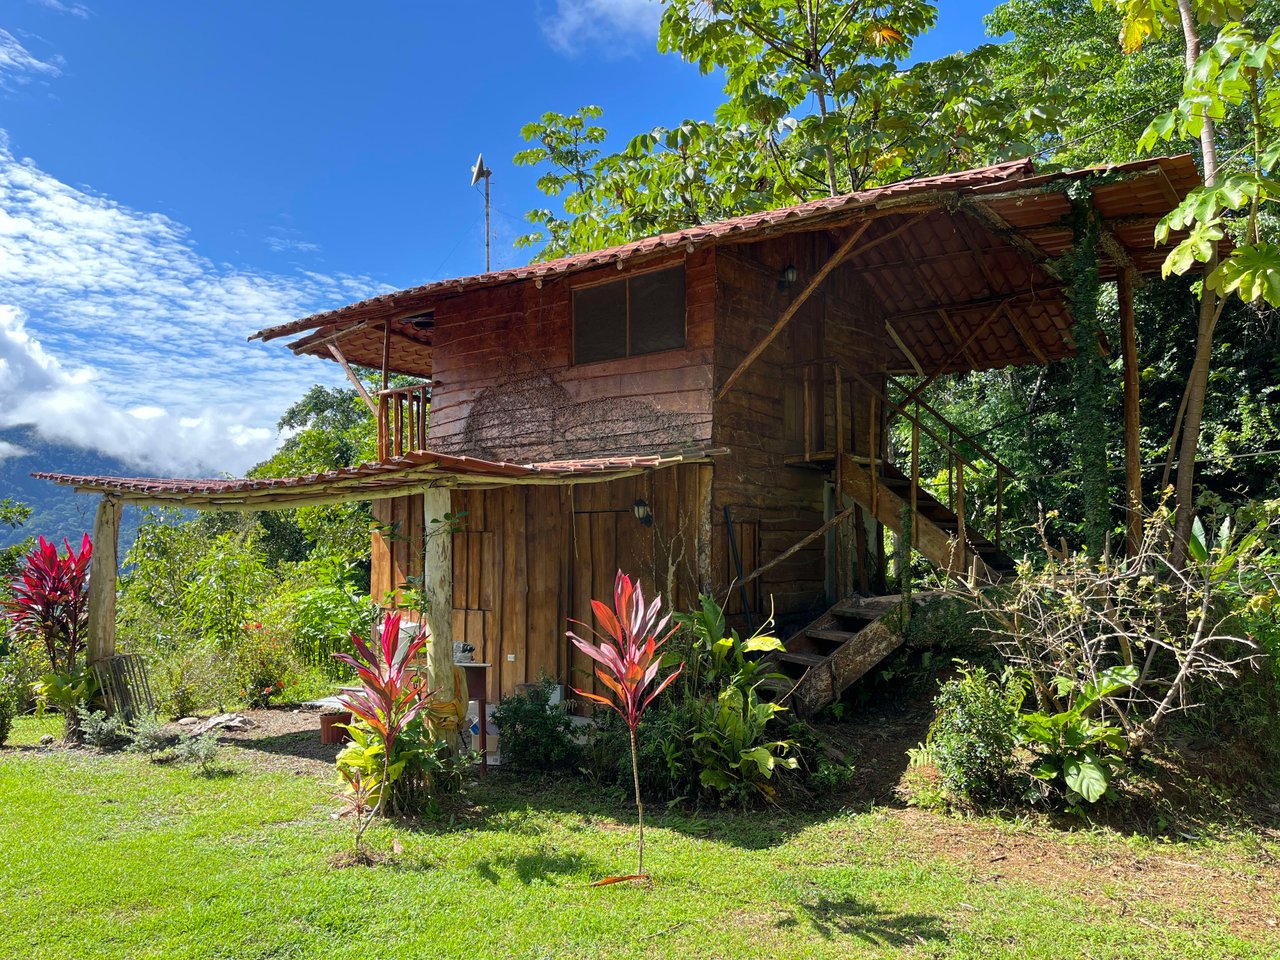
pixel 116 335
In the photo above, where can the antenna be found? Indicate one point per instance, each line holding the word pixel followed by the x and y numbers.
pixel 479 172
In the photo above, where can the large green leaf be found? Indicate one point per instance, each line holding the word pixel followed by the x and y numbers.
pixel 1252 271
pixel 1087 776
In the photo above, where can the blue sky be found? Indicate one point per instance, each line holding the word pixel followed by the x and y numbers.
pixel 174 176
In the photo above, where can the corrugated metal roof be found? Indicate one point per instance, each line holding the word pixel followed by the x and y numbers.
pixel 368 481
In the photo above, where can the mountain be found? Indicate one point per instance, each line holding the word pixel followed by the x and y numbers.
pixel 58 511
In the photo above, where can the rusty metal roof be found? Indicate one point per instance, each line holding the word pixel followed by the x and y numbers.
pixel 369 481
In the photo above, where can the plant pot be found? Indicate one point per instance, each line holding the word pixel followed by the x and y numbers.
pixel 330 731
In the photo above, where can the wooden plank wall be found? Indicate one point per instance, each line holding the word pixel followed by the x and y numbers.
pixel 505 386
pixel 530 558
pixel 760 420
pixel 397 550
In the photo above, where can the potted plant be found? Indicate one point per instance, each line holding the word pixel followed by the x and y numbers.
pixel 333 725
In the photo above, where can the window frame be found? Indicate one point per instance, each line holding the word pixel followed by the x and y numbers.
pixel 626 281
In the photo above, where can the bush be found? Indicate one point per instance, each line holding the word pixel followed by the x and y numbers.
pixel 147 736
pixel 202 750
pixel 536 734
pixel 8 702
pixel 972 739
pixel 188 680
pixel 264 664
pixel 97 729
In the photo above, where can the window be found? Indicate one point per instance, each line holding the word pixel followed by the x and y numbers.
pixel 629 317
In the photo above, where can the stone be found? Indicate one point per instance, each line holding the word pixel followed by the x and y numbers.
pixel 46 740
pixel 189 721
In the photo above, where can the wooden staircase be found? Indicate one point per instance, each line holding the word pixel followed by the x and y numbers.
pixel 825 658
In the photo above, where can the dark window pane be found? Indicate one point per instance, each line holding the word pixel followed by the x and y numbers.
pixel 600 322
pixel 657 311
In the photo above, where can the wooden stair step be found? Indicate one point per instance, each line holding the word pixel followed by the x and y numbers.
pixel 834 636
pixel 805 659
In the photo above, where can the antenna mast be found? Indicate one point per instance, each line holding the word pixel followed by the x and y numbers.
pixel 479 172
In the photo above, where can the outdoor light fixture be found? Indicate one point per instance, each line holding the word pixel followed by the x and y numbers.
pixel 787 278
pixel 643 513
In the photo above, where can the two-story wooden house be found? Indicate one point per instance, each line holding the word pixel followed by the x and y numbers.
pixel 707 409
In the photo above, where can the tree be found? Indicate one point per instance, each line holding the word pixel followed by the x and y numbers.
pixel 1233 80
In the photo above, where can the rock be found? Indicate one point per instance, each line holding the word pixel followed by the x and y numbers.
pixel 233 722
pixel 46 740
pixel 188 721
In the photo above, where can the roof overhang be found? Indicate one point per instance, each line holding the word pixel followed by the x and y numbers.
pixel 1020 209
pixel 397 477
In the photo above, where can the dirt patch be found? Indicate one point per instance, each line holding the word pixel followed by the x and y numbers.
pixel 1146 886
pixel 283 738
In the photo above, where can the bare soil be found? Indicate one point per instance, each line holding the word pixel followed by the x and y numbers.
pixel 283 738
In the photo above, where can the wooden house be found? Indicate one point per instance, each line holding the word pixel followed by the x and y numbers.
pixel 707 409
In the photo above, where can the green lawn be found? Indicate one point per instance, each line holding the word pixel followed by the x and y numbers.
pixel 109 856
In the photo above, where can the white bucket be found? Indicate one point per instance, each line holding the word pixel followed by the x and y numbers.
pixel 471 731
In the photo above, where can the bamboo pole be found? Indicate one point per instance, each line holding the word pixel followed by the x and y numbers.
pixel 1132 414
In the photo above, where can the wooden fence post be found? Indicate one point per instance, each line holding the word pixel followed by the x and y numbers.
pixel 437 587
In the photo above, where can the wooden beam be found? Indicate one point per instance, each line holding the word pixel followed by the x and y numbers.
pixel 846 250
pixel 103 567
pixel 355 381
pixel 979 303
pixel 955 337
pixel 798 546
pixel 1027 341
pixel 437 586
pixel 311 341
pixel 1132 415
pixel 386 353
pixel 911 357
pixel 977 331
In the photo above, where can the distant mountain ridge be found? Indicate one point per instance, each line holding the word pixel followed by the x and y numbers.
pixel 58 511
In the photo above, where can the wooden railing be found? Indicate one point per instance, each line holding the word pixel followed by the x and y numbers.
pixel 402 420
pixel 829 402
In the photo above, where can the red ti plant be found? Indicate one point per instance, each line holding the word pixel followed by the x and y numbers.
pixel 392 694
pixel 628 658
pixel 49 601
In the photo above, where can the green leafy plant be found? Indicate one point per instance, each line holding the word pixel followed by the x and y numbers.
pixel 202 751
pixel 718 655
pixel 971 741
pixel 629 663
pixel 147 736
pixel 65 692
pixel 97 729
pixel 8 702
pixel 537 734
pixel 730 745
pixel 1076 751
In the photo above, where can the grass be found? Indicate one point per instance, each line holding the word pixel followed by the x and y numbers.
pixel 110 856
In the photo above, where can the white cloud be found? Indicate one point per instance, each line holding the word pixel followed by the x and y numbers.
pixel 605 26
pixel 116 335
pixel 75 9
pixel 20 65
pixel 10 450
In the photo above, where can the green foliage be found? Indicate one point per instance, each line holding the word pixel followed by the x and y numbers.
pixel 228 583
pixel 1076 752
pixel 717 655
pixel 12 515
pixel 264 661
pixel 96 728
pixel 8 701
pixel 972 738
pixel 731 746
pixel 147 736
pixel 319 605
pixel 203 751
pixel 66 691
pixel 536 734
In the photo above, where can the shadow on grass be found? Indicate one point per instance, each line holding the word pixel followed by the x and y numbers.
pixel 532 868
pixel 865 922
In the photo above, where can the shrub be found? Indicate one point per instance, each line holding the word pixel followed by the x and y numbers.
pixel 147 736
pixel 972 739
pixel 189 680
pixel 736 760
pixel 49 604
pixel 97 729
pixel 8 703
pixel 264 661
pixel 536 734
pixel 202 750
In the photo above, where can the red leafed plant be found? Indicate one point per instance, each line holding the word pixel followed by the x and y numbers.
pixel 631 636
pixel 48 600
pixel 392 694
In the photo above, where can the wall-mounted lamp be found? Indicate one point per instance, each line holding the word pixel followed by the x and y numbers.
pixel 642 512
pixel 787 278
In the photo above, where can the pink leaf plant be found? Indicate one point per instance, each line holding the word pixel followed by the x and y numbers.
pixel 628 660
pixel 49 601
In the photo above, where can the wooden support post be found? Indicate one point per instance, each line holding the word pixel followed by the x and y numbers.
pixel 103 567
pixel 915 479
pixel 437 586
pixel 1132 415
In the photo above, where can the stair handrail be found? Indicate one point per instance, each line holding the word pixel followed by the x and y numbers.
pixel 402 419
pixel 982 451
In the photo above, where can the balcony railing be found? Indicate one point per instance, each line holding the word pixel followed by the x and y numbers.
pixel 402 420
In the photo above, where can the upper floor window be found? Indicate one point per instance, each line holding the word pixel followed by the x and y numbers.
pixel 629 317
